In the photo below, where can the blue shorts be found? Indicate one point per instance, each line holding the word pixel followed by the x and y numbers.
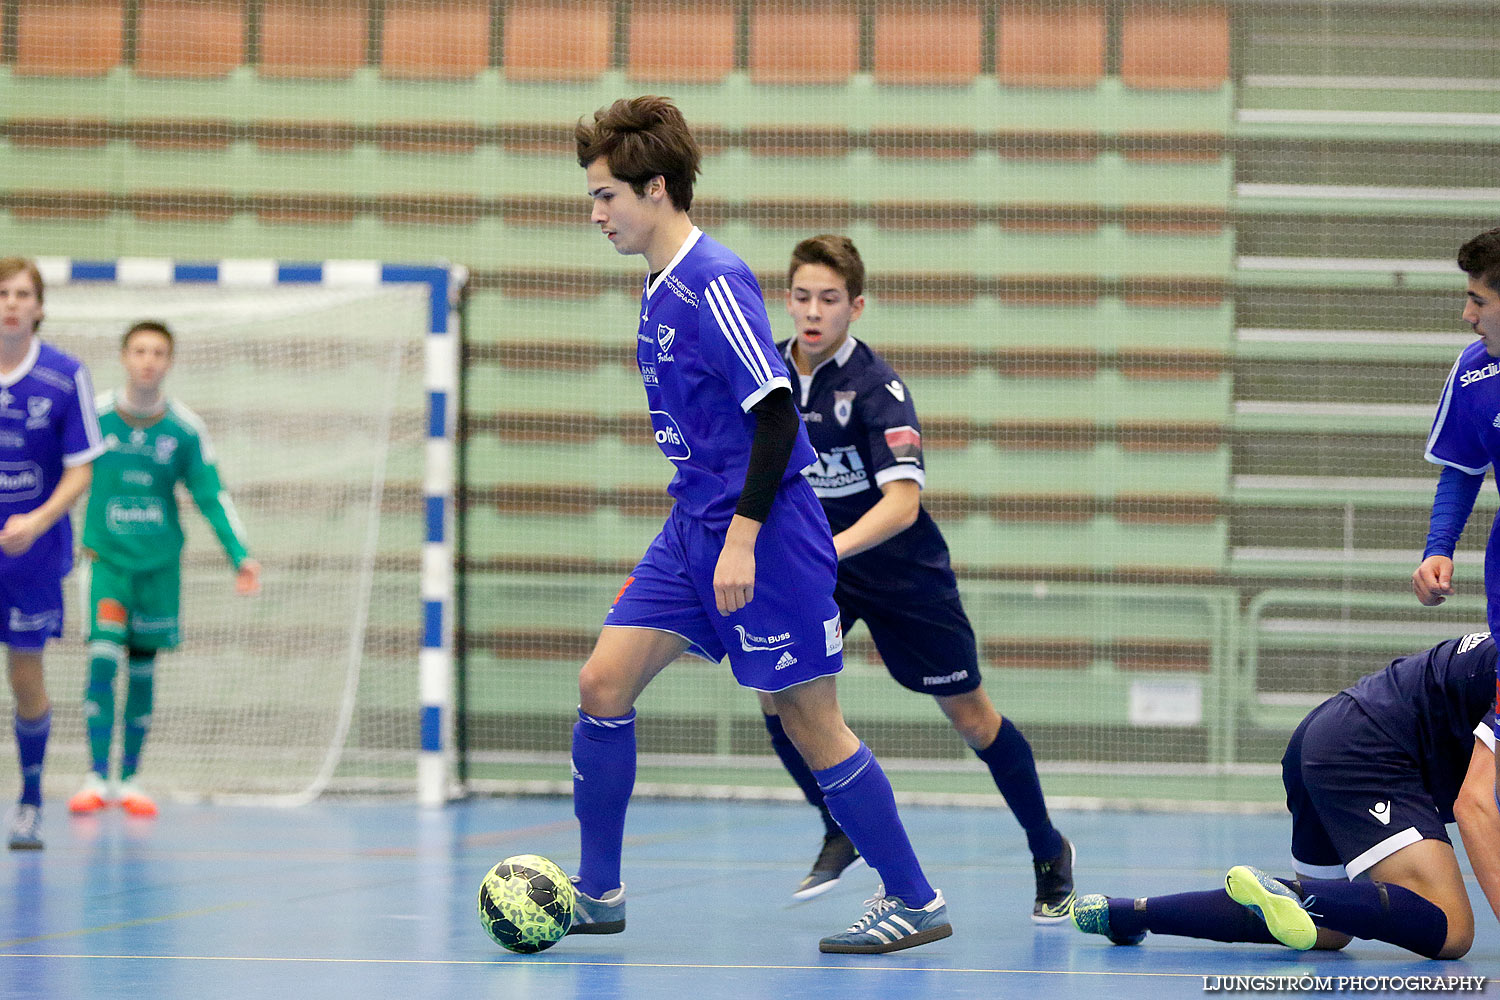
pixel 31 601
pixel 1356 797
pixel 789 632
pixel 928 648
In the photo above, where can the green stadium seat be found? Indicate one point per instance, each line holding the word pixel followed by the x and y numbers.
pixel 313 39
pixel 79 38
pixel 189 38
pixel 1154 55
pixel 925 43
pixel 672 41
pixel 557 41
pixel 804 42
pixel 1050 46
pixel 435 39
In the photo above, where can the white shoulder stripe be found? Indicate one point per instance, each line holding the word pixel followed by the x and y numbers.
pixel 735 329
pixel 1443 404
pixel 85 388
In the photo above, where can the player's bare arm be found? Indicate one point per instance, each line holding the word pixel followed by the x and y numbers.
pixel 1432 581
pixel 21 531
pixel 1478 818
pixel 893 513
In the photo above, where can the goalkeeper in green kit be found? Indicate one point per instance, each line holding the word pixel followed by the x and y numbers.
pixel 132 542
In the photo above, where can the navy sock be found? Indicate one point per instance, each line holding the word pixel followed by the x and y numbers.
pixel 792 760
pixel 31 748
pixel 1013 767
pixel 859 796
pixel 1211 915
pixel 1378 911
pixel 603 778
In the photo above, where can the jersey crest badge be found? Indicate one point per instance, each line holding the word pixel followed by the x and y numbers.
pixel 37 408
pixel 897 389
pixel 1497 421
pixel 843 407
pixel 664 337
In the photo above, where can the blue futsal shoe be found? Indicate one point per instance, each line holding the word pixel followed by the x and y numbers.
pixel 1091 915
pixel 598 916
pixel 1285 914
pixel 891 925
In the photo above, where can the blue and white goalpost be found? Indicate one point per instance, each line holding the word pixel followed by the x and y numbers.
pixel 306 376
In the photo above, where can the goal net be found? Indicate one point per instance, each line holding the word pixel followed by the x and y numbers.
pixel 312 400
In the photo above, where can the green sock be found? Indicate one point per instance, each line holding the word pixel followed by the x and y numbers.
pixel 99 701
pixel 138 702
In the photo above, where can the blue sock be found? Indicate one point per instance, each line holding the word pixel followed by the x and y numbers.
pixel 859 796
pixel 792 760
pixel 1210 915
pixel 603 778
pixel 1014 769
pixel 31 748
pixel 1378 911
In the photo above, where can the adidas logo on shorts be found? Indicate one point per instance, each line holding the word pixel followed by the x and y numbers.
pixel 787 659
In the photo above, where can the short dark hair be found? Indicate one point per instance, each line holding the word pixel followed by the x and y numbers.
pixel 1480 258
pixel 153 325
pixel 641 138
pixel 836 253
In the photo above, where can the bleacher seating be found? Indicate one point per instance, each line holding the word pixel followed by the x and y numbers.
pixel 189 39
pixel 675 42
pixel 83 38
pixel 547 40
pixel 313 39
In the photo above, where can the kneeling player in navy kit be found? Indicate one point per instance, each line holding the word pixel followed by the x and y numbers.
pixel 1372 776
pixel 893 562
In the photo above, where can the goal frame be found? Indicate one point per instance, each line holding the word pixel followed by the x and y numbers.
pixel 446 286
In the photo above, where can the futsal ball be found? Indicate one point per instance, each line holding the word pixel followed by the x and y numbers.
pixel 526 903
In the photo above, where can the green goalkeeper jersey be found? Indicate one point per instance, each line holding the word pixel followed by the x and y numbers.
pixel 132 517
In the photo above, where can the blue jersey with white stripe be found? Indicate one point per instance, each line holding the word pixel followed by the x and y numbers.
pixel 1434 705
pixel 706 357
pixel 47 424
pixel 1466 429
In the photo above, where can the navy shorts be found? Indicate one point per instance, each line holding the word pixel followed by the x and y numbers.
pixel 789 632
pixel 927 647
pixel 1356 797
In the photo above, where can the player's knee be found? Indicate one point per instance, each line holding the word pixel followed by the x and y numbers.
pixel 1460 934
pixel 974 718
pixel 1331 940
pixel 601 691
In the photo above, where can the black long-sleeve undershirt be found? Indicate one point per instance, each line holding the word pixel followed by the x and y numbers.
pixel 776 420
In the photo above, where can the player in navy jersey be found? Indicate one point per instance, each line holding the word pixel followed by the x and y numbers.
pixel 49 435
pixel 1465 438
pixel 894 572
pixel 744 565
pixel 1372 776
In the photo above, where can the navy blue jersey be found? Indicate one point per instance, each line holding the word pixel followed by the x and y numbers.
pixel 863 424
pixel 1433 705
pixel 706 357
pixel 47 424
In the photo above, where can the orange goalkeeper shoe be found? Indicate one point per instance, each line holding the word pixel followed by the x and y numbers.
pixel 93 796
pixel 135 801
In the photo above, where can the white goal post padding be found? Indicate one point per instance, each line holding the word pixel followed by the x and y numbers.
pixel 336 448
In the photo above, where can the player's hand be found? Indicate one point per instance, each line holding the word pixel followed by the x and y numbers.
pixel 19 533
pixel 247 578
pixel 1432 581
pixel 734 574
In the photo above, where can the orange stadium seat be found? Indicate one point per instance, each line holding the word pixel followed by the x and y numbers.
pixel 70 37
pixel 1050 46
pixel 313 39
pixel 185 38
pixel 803 41
pixel 676 42
pixel 1170 47
pixel 559 40
pixel 435 39
pixel 928 43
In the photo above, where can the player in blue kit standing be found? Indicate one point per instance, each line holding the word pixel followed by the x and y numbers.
pixel 744 565
pixel 894 572
pixel 49 435
pixel 1465 438
pixel 1372 777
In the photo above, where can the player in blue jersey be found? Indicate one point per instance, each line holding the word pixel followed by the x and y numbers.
pixel 1372 776
pixel 1465 438
pixel 894 572
pixel 49 435
pixel 745 565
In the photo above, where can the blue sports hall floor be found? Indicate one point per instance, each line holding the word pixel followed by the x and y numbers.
pixel 377 899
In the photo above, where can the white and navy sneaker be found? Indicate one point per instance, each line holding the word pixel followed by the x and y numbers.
pixel 891 925
pixel 25 827
pixel 837 856
pixel 598 916
pixel 1054 886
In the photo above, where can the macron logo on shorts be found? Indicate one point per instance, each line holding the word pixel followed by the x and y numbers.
pixel 1382 812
